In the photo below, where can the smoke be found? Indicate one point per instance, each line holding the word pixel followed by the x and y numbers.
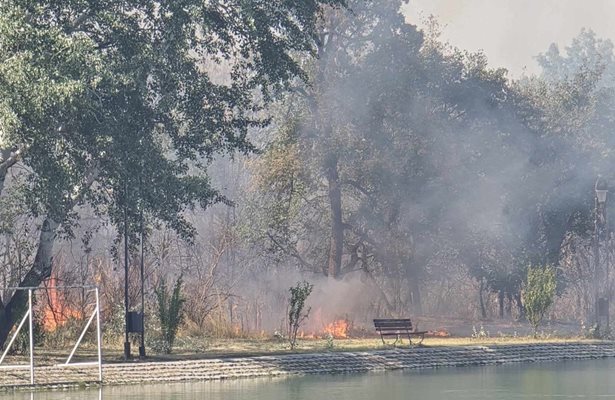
pixel 462 167
pixel 444 142
pixel 512 33
pixel 349 299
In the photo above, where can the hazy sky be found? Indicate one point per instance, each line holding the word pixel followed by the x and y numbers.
pixel 512 32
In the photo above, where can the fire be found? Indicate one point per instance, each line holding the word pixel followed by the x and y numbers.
pixel 439 333
pixel 56 312
pixel 303 335
pixel 338 329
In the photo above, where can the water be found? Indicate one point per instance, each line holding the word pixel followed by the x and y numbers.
pixel 567 380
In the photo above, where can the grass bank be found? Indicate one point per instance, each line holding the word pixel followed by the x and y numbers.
pixel 244 347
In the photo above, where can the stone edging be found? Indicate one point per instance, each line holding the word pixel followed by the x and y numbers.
pixel 317 363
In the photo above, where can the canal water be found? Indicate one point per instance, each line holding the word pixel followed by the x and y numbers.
pixel 564 380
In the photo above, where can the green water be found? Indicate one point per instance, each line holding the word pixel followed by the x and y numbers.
pixel 567 380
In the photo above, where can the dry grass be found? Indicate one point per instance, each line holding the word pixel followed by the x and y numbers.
pixel 214 348
pixel 253 347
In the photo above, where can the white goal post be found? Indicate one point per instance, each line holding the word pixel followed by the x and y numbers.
pixel 29 318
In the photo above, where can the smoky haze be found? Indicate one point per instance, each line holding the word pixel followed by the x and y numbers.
pixel 451 178
pixel 449 173
pixel 510 32
pixel 451 182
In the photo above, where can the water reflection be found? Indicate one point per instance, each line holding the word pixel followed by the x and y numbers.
pixel 584 379
pixel 90 394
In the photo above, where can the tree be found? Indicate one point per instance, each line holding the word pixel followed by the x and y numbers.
pixel 392 138
pixel 538 294
pixel 576 103
pixel 110 104
pixel 402 146
pixel 586 52
pixel 297 313
pixel 338 173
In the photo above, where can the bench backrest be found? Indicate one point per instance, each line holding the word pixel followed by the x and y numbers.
pixel 393 324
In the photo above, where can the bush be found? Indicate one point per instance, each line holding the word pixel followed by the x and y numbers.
pixel 538 294
pixel 22 342
pixel 170 312
pixel 296 315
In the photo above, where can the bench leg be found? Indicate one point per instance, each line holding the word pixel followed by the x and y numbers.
pixel 382 337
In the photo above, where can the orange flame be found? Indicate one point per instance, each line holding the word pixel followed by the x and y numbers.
pixel 56 313
pixel 303 335
pixel 338 329
pixel 439 333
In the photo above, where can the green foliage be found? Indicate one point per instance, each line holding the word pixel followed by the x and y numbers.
pixel 538 293
pixel 170 312
pixel 329 342
pixel 296 309
pixel 114 325
pixel 22 342
pixel 130 101
pixel 115 104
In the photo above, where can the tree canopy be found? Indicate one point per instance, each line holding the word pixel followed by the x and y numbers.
pixel 112 104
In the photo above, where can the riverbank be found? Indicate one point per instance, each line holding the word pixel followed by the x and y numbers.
pixel 310 363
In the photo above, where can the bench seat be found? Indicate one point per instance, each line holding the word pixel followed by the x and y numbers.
pixel 398 327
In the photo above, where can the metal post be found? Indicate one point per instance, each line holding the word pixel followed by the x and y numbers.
pixel 31 337
pixel 606 268
pixel 601 229
pixel 142 347
pixel 607 287
pixel 596 262
pixel 126 339
pixel 83 332
pixel 98 337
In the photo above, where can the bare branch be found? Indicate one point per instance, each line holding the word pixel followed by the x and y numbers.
pixel 292 252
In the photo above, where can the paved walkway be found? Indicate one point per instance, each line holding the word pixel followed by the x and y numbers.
pixel 319 363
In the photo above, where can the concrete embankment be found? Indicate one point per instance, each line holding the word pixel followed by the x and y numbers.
pixel 317 363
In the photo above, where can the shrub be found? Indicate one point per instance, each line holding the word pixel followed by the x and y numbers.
pixel 296 314
pixel 170 312
pixel 538 294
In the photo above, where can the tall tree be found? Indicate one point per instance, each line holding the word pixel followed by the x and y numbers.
pixel 109 103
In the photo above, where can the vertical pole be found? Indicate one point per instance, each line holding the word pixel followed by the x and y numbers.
pixel 126 339
pixel 606 266
pixel 142 347
pixel 596 261
pixel 31 337
pixel 98 336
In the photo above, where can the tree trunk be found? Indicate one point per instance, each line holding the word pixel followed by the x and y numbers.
pixel 481 301
pixel 501 304
pixel 519 305
pixel 41 270
pixel 415 296
pixel 337 227
pixel 509 305
pixel 8 158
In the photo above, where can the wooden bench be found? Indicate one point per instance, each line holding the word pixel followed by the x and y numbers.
pixel 398 328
